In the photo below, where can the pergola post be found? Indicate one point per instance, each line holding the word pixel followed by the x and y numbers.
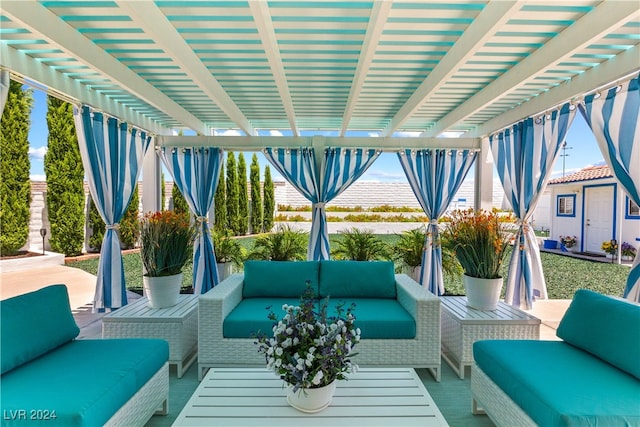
pixel 483 186
pixel 151 182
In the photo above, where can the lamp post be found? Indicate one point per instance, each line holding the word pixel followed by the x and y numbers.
pixel 564 155
pixel 43 233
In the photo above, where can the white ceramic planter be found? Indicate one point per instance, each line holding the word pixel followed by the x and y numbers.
pixel 224 270
pixel 162 291
pixel 482 294
pixel 311 400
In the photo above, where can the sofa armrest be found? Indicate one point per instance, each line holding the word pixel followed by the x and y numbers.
pixel 423 306
pixel 222 299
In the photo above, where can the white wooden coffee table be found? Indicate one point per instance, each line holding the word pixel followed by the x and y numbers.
pixel 256 397
pixel 178 325
pixel 462 326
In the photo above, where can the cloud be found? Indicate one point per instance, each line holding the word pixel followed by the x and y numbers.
pixel 407 134
pixel 36 177
pixel 275 133
pixel 227 132
pixel 382 176
pixel 37 153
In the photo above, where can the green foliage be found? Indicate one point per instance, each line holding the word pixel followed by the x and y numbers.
pixel 167 242
pixel 285 244
pixel 162 191
pixel 129 224
pixel 15 186
pixel 227 248
pixel 360 245
pixel 232 194
pixel 65 176
pixel 97 226
pixel 256 197
pixel 220 204
pixel 243 197
pixel 409 248
pixel 269 199
pixel 179 202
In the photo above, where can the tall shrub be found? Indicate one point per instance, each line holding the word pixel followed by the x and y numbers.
pixel 220 205
pixel 243 197
pixel 65 180
pixel 179 203
pixel 269 200
pixel 162 191
pixel 97 226
pixel 15 186
pixel 256 197
pixel 232 194
pixel 129 228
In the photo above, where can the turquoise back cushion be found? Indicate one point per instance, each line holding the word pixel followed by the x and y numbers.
pixel 357 279
pixel 34 324
pixel 605 327
pixel 288 279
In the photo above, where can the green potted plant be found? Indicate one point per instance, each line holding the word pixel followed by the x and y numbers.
pixel 479 242
pixel 628 251
pixel 228 253
pixel 359 245
pixel 409 248
pixel 167 245
pixel 568 242
pixel 284 244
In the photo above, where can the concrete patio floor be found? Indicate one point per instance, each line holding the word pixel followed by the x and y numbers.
pixel 81 287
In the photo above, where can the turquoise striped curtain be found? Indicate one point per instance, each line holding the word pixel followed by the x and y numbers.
pixel 613 118
pixel 196 172
pixel 112 156
pixel 435 176
pixel 340 168
pixel 524 155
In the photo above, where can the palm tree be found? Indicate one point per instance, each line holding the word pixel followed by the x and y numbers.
pixel 360 245
pixel 285 244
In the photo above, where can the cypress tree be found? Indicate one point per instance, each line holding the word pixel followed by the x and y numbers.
pixel 232 194
pixel 15 186
pixel 179 203
pixel 269 200
pixel 256 197
pixel 97 226
pixel 243 197
pixel 65 180
pixel 129 229
pixel 162 191
pixel 220 205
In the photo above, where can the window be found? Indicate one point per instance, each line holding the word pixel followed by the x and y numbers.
pixel 566 205
pixel 633 211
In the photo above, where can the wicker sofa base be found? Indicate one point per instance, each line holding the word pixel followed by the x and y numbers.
pixel 152 398
pixel 488 398
pixel 421 352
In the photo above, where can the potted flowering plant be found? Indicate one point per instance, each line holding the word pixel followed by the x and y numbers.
pixel 610 247
pixel 568 241
pixel 627 250
pixel 167 245
pixel 479 242
pixel 310 350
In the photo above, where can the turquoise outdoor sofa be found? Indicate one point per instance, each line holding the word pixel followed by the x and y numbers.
pixel 591 378
pixel 51 379
pixel 399 319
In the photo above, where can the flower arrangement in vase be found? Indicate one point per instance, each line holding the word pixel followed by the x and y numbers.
pixel 628 251
pixel 479 242
pixel 610 247
pixel 167 245
pixel 311 350
pixel 568 241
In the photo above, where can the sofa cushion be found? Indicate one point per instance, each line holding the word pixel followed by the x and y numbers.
pixel 34 324
pixel 249 317
pixel 378 318
pixel 288 279
pixel 606 327
pixel 557 384
pixel 85 381
pixel 357 279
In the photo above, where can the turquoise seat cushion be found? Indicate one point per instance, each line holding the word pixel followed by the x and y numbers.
pixel 250 317
pixel 606 327
pixel 288 279
pixel 557 384
pixel 378 318
pixel 85 381
pixel 357 279
pixel 34 324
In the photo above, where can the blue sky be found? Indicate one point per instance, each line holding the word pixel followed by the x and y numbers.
pixel 583 152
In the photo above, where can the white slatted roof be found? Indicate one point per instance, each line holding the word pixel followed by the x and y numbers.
pixel 380 66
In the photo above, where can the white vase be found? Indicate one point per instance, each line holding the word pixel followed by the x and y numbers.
pixel 311 400
pixel 482 294
pixel 224 270
pixel 162 291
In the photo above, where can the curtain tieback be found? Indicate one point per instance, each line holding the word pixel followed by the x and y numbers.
pixel 115 226
pixel 202 220
pixel 433 222
pixel 319 205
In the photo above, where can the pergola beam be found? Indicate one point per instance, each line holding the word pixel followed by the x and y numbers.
pixel 492 17
pixel 39 20
pixel 154 22
pixel 593 26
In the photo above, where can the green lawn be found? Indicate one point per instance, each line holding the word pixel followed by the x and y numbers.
pixel 564 275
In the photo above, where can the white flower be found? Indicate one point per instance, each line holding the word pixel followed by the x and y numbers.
pixel 289 331
pixel 317 378
pixel 279 351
